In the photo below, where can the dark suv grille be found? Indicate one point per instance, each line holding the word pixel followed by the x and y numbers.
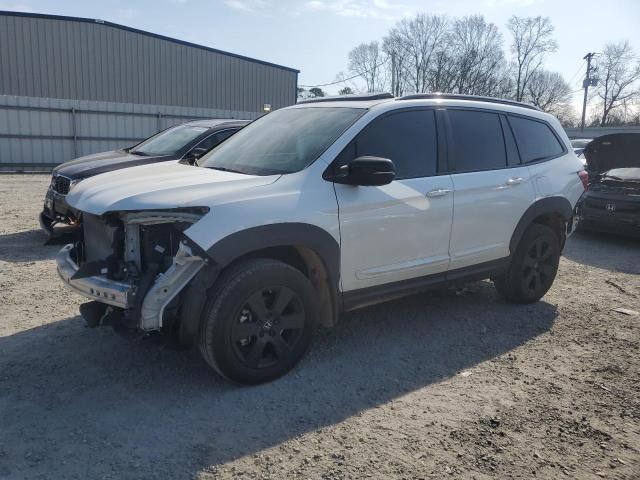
pixel 61 184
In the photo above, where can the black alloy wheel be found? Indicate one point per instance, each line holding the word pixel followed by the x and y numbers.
pixel 538 267
pixel 533 266
pixel 268 327
pixel 258 321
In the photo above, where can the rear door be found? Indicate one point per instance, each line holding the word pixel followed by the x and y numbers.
pixel 543 153
pixel 492 190
pixel 398 231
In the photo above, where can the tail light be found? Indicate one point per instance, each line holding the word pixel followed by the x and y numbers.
pixel 584 176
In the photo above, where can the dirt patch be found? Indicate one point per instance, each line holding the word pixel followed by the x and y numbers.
pixel 441 385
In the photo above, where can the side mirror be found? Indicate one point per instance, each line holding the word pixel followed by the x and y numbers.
pixel 365 171
pixel 194 155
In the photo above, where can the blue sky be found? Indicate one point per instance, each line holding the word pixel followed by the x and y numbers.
pixel 316 35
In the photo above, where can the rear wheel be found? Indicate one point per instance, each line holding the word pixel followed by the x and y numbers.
pixel 533 267
pixel 258 322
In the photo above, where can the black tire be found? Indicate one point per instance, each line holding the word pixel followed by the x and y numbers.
pixel 258 321
pixel 533 267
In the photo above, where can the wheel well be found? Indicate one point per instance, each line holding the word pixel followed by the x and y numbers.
pixel 556 222
pixel 310 264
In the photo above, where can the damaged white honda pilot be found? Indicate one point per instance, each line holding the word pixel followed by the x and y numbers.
pixel 322 208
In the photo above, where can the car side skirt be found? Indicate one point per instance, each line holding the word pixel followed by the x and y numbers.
pixel 363 297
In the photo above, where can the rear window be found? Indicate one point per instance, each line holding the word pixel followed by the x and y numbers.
pixel 535 139
pixel 478 141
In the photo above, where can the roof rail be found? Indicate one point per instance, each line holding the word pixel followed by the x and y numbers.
pixel 477 98
pixel 349 98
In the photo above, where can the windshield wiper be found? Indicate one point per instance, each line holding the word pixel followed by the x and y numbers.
pixel 142 154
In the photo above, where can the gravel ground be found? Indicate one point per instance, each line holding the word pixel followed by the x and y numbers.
pixel 453 384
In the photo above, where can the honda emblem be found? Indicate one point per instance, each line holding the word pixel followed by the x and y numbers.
pixel 611 207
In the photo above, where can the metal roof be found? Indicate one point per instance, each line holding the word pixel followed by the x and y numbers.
pixel 141 32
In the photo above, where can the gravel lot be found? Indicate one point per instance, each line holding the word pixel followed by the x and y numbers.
pixel 452 384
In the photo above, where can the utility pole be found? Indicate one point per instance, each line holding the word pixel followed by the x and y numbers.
pixel 585 84
pixel 393 73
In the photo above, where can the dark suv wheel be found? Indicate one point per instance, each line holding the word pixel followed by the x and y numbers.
pixel 258 321
pixel 533 266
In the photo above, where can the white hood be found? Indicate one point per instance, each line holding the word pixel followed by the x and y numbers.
pixel 159 186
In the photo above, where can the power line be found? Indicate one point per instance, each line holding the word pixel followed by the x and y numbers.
pixel 577 72
pixel 346 79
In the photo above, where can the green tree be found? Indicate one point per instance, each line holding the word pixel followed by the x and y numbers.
pixel 316 92
pixel 346 91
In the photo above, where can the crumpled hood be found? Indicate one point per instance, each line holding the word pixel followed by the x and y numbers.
pixel 618 150
pixel 160 186
pixel 103 162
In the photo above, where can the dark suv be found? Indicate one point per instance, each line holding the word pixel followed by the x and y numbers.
pixel 612 202
pixel 186 142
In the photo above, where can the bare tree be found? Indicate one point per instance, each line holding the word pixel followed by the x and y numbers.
pixel 366 60
pixel 477 56
pixel 547 90
pixel 619 73
pixel 393 48
pixel 347 82
pixel 532 40
pixel 417 40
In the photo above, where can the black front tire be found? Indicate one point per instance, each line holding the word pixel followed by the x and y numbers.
pixel 533 267
pixel 258 321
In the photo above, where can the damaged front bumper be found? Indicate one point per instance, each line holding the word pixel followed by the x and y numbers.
pixel 98 287
pixel 124 295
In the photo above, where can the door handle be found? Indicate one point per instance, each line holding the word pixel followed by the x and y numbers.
pixel 514 181
pixel 438 192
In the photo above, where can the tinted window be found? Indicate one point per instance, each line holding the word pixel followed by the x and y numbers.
pixel 535 140
pixel 213 140
pixel 284 141
pixel 169 142
pixel 478 143
pixel 407 138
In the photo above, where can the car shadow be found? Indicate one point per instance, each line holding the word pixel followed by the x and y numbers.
pixel 138 408
pixel 34 245
pixel 603 250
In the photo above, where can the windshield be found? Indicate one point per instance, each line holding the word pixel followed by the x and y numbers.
pixel 284 141
pixel 169 142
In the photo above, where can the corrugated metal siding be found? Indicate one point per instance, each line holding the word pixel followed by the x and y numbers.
pixel 31 128
pixel 59 58
pixel 593 132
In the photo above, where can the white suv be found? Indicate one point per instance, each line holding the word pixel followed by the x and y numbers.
pixel 321 208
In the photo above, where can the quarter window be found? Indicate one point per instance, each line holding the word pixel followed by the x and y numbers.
pixel 478 142
pixel 535 139
pixel 407 138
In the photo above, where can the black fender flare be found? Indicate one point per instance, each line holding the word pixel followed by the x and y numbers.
pixel 290 234
pixel 547 205
pixel 241 243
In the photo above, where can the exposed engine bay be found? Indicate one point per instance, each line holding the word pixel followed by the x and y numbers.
pixel 133 264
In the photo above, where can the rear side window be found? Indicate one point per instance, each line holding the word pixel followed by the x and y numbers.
pixel 535 139
pixel 407 138
pixel 215 139
pixel 478 142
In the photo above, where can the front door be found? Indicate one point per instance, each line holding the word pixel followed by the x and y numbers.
pixel 398 231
